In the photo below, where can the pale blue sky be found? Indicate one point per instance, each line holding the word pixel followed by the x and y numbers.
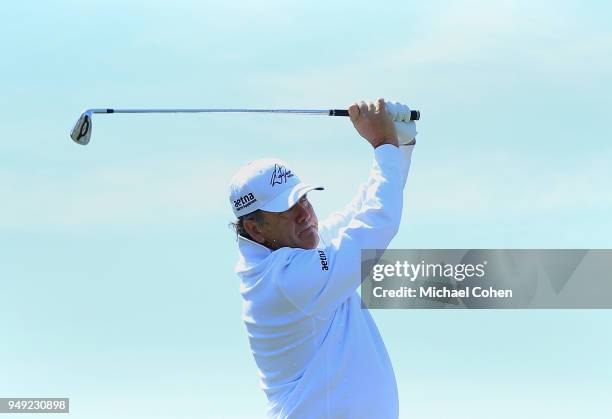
pixel 116 263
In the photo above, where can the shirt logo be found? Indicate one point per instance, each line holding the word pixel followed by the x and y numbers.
pixel 324 263
pixel 280 174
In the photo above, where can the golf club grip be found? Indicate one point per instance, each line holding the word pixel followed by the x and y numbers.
pixel 414 115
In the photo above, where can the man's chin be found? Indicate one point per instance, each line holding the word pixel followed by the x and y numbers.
pixel 309 241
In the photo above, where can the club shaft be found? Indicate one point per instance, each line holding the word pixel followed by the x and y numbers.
pixel 298 111
pixel 414 115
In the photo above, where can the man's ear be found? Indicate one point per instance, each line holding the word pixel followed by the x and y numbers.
pixel 254 231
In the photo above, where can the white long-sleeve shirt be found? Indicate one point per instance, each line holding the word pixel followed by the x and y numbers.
pixel 319 354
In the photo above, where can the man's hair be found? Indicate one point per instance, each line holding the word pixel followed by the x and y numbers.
pixel 238 225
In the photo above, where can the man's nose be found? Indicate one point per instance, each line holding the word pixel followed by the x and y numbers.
pixel 302 214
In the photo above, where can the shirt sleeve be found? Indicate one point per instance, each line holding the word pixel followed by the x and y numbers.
pixel 317 281
pixel 331 226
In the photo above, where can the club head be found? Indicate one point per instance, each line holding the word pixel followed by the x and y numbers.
pixel 81 132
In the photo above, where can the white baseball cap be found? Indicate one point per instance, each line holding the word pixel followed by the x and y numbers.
pixel 268 185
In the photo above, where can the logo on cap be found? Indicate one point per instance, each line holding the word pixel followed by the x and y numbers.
pixel 280 174
pixel 244 201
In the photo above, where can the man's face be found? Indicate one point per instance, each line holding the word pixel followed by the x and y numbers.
pixel 297 227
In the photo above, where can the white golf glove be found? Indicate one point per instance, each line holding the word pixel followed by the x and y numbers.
pixel 400 115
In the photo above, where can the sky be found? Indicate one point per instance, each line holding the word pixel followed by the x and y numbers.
pixel 116 262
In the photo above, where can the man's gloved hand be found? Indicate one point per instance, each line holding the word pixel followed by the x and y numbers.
pixel 397 111
pixel 405 128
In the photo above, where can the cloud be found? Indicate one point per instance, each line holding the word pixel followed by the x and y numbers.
pixel 153 192
pixel 512 186
pixel 181 189
pixel 493 40
pixel 472 48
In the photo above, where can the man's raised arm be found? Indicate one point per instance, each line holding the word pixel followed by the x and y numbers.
pixel 331 226
pixel 316 281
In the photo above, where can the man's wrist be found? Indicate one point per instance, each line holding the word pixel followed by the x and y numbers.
pixel 377 144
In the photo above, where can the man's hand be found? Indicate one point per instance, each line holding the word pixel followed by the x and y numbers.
pixel 373 123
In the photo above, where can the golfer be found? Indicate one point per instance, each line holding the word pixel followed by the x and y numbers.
pixel 319 354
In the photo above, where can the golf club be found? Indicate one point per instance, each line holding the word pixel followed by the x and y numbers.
pixel 81 132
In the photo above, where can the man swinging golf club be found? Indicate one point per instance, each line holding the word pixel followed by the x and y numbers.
pixel 319 354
